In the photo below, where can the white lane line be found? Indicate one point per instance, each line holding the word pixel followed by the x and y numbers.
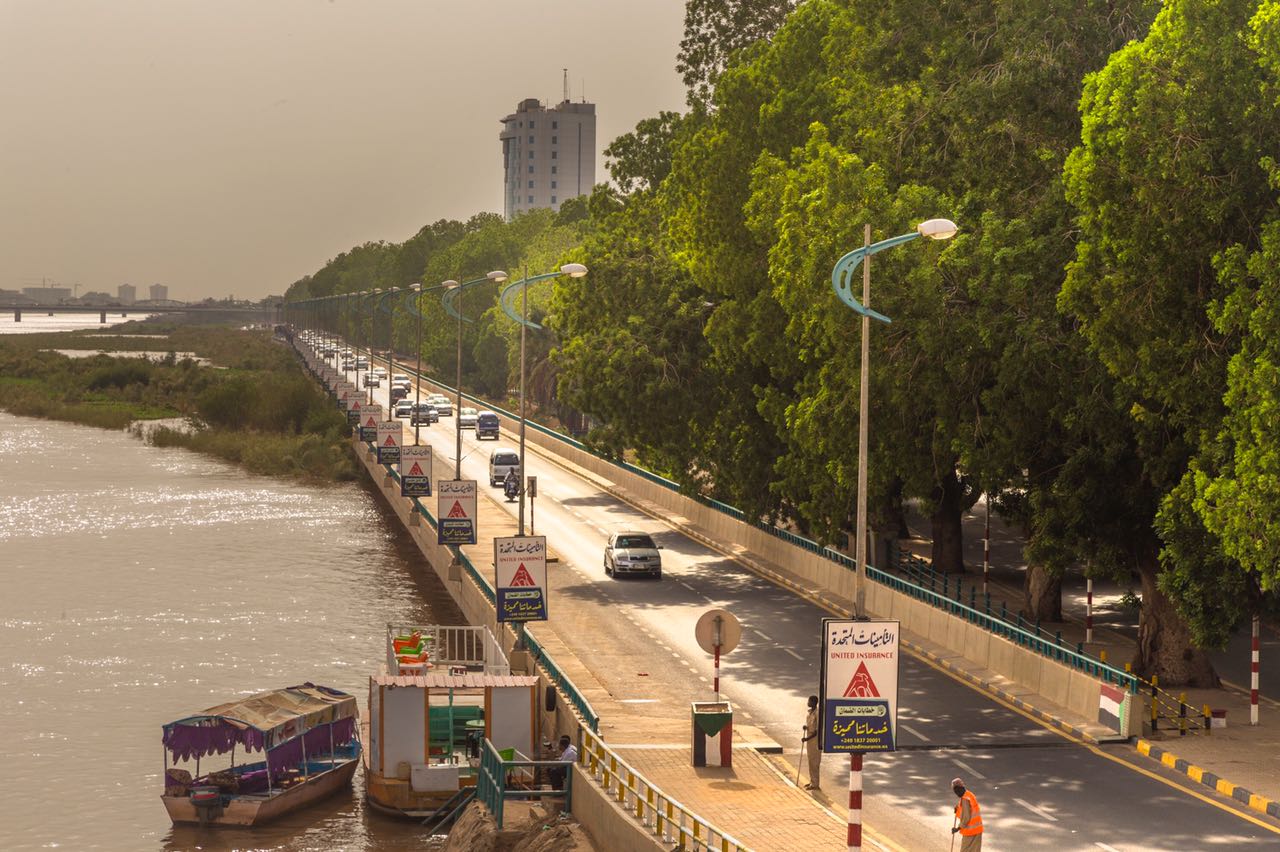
pixel 602 531
pixel 913 732
pixel 1038 811
pixel 794 654
pixel 966 767
pixel 686 585
pixel 1105 847
pixel 762 636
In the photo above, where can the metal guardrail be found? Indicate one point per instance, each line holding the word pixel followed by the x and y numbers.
pixel 1028 639
pixel 663 816
pixel 493 790
pixel 576 698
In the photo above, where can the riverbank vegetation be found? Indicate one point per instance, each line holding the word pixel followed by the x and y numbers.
pixel 1095 350
pixel 243 397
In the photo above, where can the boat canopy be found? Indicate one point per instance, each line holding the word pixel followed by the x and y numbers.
pixel 263 721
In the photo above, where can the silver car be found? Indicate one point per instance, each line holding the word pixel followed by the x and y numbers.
pixel 632 553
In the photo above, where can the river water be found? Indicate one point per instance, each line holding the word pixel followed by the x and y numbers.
pixel 141 585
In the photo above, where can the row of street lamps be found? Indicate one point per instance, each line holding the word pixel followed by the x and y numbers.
pixel 313 313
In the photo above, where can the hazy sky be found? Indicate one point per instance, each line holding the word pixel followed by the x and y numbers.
pixel 233 146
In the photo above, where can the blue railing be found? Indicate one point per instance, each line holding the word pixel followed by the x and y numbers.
pixel 500 779
pixel 1076 658
pixel 577 699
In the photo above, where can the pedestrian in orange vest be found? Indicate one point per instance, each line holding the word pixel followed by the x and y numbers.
pixel 968 818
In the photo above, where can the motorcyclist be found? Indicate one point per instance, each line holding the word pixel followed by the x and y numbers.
pixel 511 486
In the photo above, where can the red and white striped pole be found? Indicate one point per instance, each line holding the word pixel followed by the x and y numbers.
pixel 717 685
pixel 1088 611
pixel 1253 672
pixel 986 550
pixel 855 802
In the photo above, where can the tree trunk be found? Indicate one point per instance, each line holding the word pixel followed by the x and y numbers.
pixel 1042 595
pixel 948 537
pixel 1164 640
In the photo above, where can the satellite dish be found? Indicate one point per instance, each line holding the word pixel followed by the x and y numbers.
pixel 718 627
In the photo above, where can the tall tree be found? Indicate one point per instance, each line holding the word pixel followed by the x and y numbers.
pixel 716 29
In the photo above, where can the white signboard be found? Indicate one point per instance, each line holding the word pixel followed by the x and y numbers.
pixel 415 471
pixel 859 686
pixel 520 563
pixel 370 417
pixel 389 442
pixel 456 511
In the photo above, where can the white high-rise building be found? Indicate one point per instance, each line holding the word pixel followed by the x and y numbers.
pixel 548 154
pixel 159 293
pixel 127 294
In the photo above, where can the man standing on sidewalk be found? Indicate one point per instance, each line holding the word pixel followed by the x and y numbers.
pixel 968 818
pixel 810 737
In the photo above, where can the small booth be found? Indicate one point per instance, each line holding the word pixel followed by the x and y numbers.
pixel 425 733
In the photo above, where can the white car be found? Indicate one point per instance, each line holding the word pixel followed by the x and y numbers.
pixel 632 552
pixel 467 418
pixel 404 408
pixel 443 406
pixel 501 462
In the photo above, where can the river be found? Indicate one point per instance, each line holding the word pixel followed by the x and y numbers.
pixel 143 584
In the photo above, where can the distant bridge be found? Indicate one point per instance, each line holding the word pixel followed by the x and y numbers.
pixel 262 312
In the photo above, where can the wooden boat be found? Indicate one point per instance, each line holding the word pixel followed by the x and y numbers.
pixel 310 747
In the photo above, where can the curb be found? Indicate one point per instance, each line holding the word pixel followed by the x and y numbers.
pixel 1221 785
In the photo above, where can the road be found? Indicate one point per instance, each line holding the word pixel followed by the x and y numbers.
pixel 1038 789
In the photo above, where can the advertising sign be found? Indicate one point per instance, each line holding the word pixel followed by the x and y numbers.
pixel 859 686
pixel 520 563
pixel 456 511
pixel 389 442
pixel 354 407
pixel 415 471
pixel 370 417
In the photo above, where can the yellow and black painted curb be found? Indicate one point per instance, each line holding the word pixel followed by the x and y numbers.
pixel 1208 779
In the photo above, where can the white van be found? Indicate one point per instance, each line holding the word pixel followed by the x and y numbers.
pixel 502 461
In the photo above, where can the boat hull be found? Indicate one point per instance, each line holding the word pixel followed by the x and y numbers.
pixel 256 810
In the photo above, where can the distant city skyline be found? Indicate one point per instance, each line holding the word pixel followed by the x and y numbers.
pixel 232 148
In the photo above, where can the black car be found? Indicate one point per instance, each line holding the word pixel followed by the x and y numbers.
pixel 398 393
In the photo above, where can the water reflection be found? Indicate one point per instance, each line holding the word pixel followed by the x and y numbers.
pixel 142 584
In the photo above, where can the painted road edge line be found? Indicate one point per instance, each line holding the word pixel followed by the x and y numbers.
pixel 1253 801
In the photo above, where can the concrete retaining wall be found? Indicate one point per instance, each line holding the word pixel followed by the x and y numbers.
pixel 604 819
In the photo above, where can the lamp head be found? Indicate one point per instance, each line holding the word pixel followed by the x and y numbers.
pixel 416 286
pixel 937 229
pixel 449 285
pixel 573 270
pixel 497 276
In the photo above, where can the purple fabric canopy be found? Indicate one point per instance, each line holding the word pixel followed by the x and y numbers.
pixel 210 736
pixel 289 754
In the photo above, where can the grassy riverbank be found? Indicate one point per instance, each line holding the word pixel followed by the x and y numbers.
pixel 246 400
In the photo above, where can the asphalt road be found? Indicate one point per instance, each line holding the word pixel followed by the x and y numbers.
pixel 1037 788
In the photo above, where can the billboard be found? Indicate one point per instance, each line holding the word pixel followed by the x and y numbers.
pixel 859 686
pixel 456 511
pixel 415 471
pixel 520 565
pixel 370 417
pixel 389 434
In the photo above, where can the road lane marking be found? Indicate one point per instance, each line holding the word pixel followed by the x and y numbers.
pixel 762 636
pixel 686 585
pixel 1036 810
pixel 794 654
pixel 1105 847
pixel 904 726
pixel 967 768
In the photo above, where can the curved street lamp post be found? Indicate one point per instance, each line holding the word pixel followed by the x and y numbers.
pixel 841 280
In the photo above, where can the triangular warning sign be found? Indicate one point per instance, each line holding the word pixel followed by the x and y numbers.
pixel 522 577
pixel 371 422
pixel 390 442
pixel 416 470
pixel 862 686
pixel 456 511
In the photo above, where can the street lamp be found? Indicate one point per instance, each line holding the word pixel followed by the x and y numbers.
pixel 453 293
pixel 841 279
pixel 391 337
pixel 572 270
pixel 416 289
